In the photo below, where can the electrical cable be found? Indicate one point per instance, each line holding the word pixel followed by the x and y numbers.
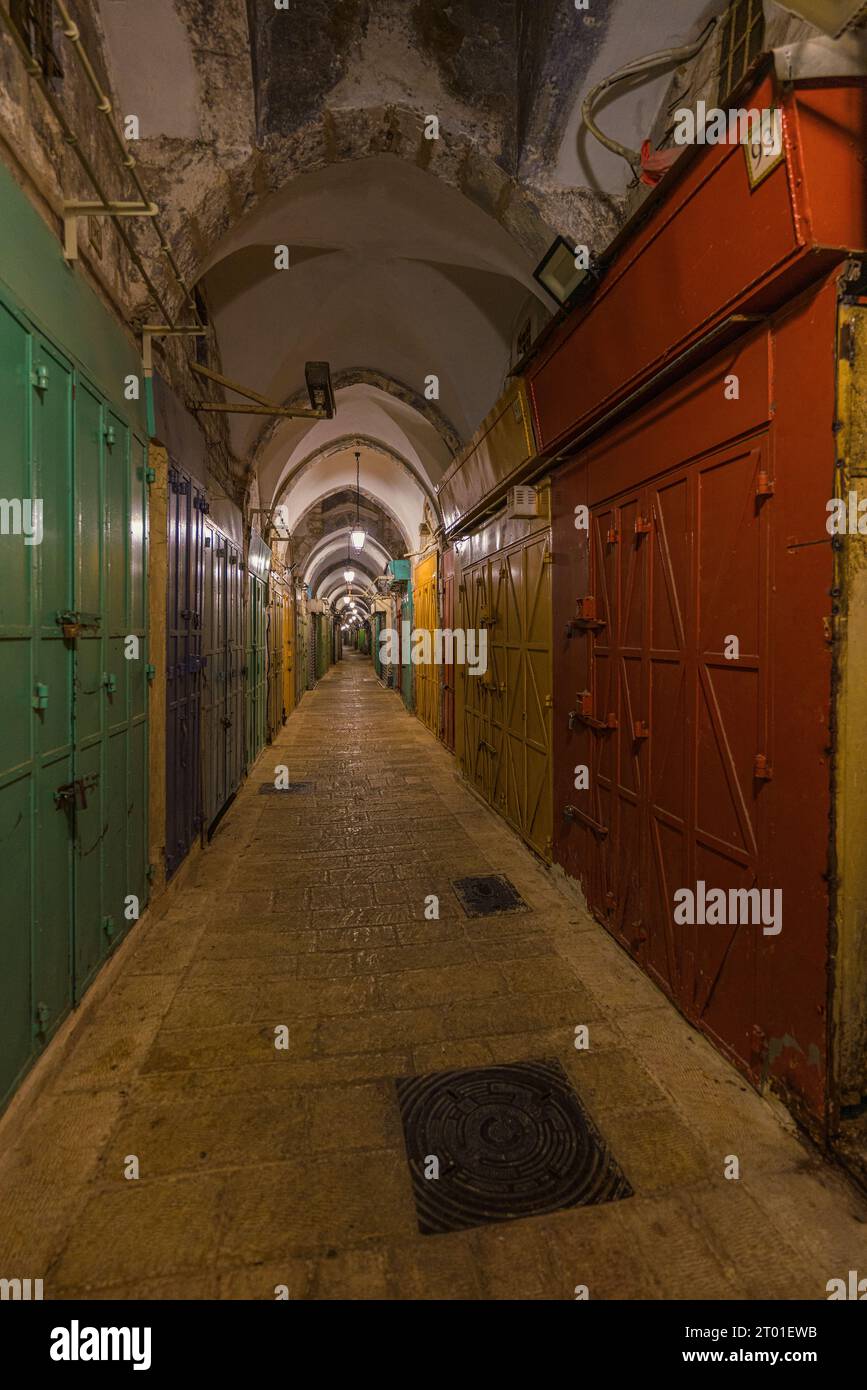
pixel 636 68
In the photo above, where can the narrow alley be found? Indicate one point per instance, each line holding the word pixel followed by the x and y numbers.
pixel 263 1168
pixel 433 656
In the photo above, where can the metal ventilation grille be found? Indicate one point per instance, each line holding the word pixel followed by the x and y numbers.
pixel 742 36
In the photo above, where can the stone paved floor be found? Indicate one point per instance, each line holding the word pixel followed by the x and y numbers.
pixel 262 1167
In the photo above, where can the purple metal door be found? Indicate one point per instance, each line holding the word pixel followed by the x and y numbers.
pixel 184 662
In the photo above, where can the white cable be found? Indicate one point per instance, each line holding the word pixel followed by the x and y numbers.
pixel 635 69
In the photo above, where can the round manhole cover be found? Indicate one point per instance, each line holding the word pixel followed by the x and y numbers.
pixel 510 1141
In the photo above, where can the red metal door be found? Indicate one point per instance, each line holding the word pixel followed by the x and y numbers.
pixel 680 579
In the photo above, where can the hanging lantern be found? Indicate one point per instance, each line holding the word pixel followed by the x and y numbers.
pixel 358 533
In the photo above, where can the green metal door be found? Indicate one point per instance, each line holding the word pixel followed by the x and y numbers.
pixel 22 728
pixel 73 747
pixel 35 585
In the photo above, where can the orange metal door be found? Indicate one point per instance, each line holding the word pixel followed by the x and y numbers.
pixel 447 673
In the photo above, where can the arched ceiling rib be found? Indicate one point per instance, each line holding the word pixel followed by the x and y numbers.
pixel 381 477
pixel 335 553
pixel 390 270
pixel 369 418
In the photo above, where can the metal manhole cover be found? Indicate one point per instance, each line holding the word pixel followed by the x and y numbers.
pixel 267 788
pixel 487 893
pixel 510 1142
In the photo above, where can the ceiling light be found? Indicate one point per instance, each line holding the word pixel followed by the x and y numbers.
pixel 349 575
pixel 319 389
pixel 358 534
pixel 560 276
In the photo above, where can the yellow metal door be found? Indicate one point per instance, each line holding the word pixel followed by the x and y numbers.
pixel 425 617
pixel 503 718
pixel 522 696
pixel 472 717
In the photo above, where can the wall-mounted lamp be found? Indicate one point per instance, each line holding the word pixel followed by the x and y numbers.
pixel 559 273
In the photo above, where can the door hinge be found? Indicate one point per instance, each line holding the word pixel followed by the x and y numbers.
pixel 39 378
pixel 40 699
pixel 43 1013
pixel 643 525
pixel 612 536
pixel 149 872
pixel 110 435
pixel 150 671
pixel 110 683
pixel 108 926
pixel 150 475
pixel 762 769
pixel 764 485
pixel 640 729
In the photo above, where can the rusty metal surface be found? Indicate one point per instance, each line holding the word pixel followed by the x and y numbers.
pixel 707 521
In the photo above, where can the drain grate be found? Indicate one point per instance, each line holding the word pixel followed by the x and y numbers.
pixel 510 1141
pixel 267 788
pixel 487 893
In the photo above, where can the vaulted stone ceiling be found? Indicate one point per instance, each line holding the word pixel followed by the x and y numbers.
pixel 409 258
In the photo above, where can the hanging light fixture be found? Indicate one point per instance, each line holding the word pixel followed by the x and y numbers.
pixel 349 572
pixel 358 534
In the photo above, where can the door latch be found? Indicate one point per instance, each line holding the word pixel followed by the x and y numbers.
pixel 74 794
pixel 586 619
pixel 581 715
pixel 72 622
